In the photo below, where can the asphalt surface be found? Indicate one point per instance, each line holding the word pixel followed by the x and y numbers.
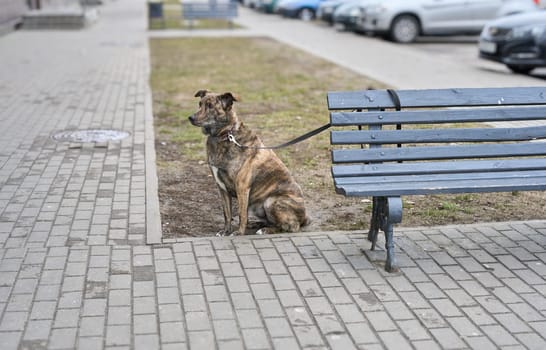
pixel 78 270
pixel 431 63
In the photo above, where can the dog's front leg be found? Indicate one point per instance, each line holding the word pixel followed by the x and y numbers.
pixel 242 201
pixel 226 208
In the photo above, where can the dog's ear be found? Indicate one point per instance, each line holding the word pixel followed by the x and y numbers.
pixel 227 99
pixel 201 93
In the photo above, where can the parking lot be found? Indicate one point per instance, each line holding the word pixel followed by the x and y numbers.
pixel 432 62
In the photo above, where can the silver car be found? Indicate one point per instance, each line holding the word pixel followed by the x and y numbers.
pixel 404 20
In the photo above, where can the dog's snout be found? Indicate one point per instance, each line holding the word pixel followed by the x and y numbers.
pixel 192 119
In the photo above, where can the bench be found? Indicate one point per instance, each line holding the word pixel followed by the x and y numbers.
pixel 209 10
pixel 420 142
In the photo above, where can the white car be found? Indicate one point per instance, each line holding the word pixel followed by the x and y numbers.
pixel 404 20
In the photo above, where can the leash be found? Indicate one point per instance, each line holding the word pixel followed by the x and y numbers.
pixel 394 96
pixel 398 106
pixel 305 136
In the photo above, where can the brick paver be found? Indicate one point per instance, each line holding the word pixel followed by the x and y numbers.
pixel 75 271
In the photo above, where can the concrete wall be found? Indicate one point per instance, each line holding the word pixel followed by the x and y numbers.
pixel 11 13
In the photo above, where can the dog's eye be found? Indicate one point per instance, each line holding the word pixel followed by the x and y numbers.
pixel 209 105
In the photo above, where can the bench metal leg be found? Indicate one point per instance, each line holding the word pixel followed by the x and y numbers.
pixel 374 224
pixel 386 212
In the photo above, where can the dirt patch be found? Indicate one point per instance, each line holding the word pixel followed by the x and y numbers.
pixel 283 94
pixel 190 203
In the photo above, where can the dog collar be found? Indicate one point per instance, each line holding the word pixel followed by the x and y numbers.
pixel 232 139
pixel 229 136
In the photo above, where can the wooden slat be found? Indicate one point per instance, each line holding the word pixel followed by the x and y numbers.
pixel 438 152
pixel 437 135
pixel 453 186
pixel 206 10
pixel 366 99
pixel 412 168
pixel 466 115
pixel 437 178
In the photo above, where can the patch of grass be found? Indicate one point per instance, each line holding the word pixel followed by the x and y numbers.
pixel 282 91
pixel 283 95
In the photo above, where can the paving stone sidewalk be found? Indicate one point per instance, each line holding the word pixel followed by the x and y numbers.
pixel 76 272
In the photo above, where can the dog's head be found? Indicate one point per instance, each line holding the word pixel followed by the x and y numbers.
pixel 215 112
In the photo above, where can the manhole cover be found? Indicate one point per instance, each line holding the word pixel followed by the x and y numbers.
pixel 90 135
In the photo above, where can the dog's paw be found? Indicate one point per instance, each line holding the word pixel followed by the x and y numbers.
pixel 223 233
pixel 267 231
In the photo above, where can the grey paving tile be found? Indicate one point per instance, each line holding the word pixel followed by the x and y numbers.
pixel 197 321
pixel 201 340
pixel 92 326
pixel 146 342
pixel 309 336
pixel 255 338
pixel 226 330
pixel 117 335
pixel 285 343
pixel 64 338
pixel 37 330
pixel 13 321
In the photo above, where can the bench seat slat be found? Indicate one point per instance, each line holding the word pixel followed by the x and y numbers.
pixel 436 135
pixel 366 99
pixel 450 186
pixel 438 152
pixel 206 10
pixel 436 178
pixel 466 115
pixel 464 166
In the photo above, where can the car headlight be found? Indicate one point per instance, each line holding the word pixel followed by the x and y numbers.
pixel 376 9
pixel 355 12
pixel 535 31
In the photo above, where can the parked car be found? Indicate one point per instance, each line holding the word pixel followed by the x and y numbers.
pixel 403 21
pixel 268 6
pixel 250 3
pixel 346 16
pixel 325 11
pixel 302 9
pixel 518 41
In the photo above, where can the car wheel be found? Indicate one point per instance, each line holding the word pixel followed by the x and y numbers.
pixel 306 14
pixel 404 29
pixel 520 69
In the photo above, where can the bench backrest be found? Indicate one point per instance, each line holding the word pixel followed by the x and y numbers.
pixel 209 10
pixel 444 124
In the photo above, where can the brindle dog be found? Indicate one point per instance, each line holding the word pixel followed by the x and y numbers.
pixel 243 169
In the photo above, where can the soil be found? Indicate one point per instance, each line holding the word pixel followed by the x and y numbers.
pixel 190 202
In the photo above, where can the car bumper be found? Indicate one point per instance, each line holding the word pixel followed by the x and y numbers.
pixel 326 17
pixel 372 23
pixel 347 22
pixel 288 12
pixel 268 8
pixel 524 52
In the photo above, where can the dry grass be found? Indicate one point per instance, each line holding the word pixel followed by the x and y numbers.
pixel 283 94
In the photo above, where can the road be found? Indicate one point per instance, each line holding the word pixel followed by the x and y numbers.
pixel 429 63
